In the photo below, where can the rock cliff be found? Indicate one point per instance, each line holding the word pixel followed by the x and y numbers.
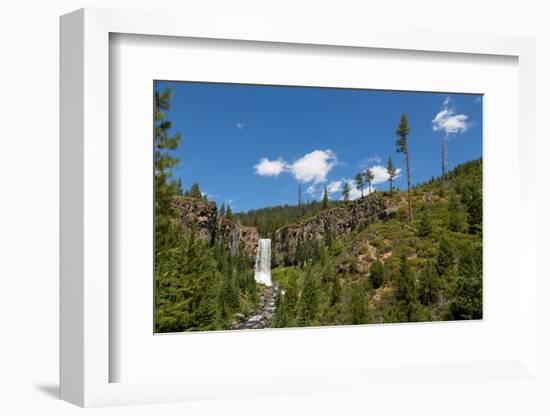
pixel 203 215
pixel 336 222
pixel 198 213
pixel 235 234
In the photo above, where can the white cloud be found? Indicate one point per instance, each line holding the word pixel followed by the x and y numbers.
pixel 334 186
pixel 311 168
pixel 314 167
pixel 381 174
pixel 354 191
pixel 311 190
pixel 240 126
pixel 448 121
pixel 266 167
pixel 374 159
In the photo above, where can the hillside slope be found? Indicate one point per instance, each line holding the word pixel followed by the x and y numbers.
pixel 393 271
pixel 345 263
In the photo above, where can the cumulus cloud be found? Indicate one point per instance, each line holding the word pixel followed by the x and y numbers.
pixel 354 191
pixel 448 121
pixel 311 190
pixel 266 167
pixel 334 186
pixel 374 159
pixel 381 174
pixel 313 167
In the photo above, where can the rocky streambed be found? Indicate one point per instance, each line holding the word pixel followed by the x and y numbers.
pixel 264 314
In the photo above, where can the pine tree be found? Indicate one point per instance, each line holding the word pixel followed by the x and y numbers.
pixel 475 209
pixel 228 213
pixel 425 228
pixel 392 172
pixel 229 295
pixel 300 200
pixel 336 291
pixel 360 182
pixel 179 186
pixel 443 160
pixel 185 287
pixel 165 187
pixel 402 133
pixel 369 176
pixel 467 302
pixel 358 307
pixel 241 275
pixel 445 258
pixel 406 289
pixel 308 300
pixel 291 294
pixel 282 317
pixel 195 191
pixel 325 199
pixel 428 284
pixel 345 192
pixel 456 215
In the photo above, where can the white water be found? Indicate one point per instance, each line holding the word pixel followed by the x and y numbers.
pixel 263 262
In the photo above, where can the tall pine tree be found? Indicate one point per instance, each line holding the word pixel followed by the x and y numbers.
pixel 406 288
pixel 165 187
pixel 402 144
pixel 345 192
pixel 360 183
pixel 369 176
pixel 325 198
pixel 392 173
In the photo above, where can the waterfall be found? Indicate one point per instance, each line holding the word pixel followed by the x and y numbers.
pixel 262 273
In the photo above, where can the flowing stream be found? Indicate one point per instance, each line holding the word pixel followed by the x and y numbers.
pixel 262 273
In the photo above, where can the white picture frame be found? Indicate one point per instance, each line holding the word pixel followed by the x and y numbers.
pixel 85 352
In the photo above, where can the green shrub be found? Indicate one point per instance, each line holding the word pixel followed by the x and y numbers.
pixel 377 274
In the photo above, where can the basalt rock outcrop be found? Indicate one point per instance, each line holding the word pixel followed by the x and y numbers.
pixel 332 223
pixel 203 217
pixel 237 236
pixel 197 213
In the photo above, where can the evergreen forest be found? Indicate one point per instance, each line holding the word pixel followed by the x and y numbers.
pixel 420 260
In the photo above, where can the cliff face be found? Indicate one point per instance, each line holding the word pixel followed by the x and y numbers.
pixel 336 221
pixel 203 215
pixel 235 234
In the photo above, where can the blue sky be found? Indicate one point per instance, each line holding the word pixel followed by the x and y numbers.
pixel 249 146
